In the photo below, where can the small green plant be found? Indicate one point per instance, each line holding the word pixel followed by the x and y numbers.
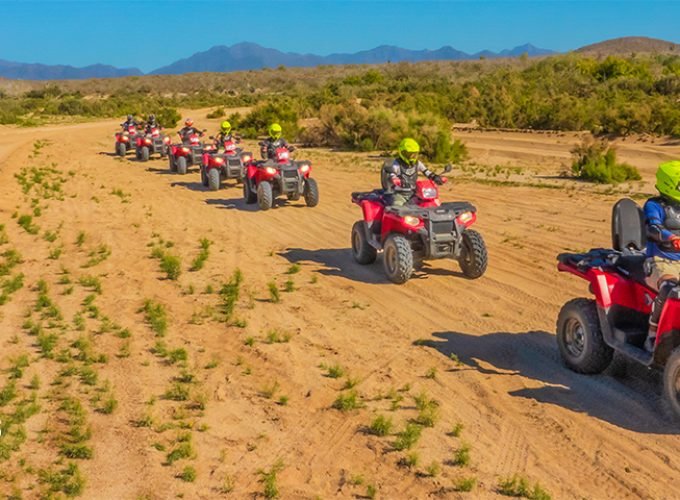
pixel 434 469
pixel 274 336
pixel 91 282
pixel 595 161
pixel 465 484
pixel 431 373
pixel 461 457
pixel 270 389
pixel 269 477
pixel 177 392
pixel 407 438
pixel 381 426
pixel 371 491
pixel 68 480
pixel 294 269
pixel 80 239
pixel 283 400
pixel 347 401
pixel 188 474
pixel 202 256
pixel 518 486
pixel 229 293
pixel 289 285
pixel 156 316
pixel 98 255
pixel 26 222
pixel 171 265
pixel 457 430
pixel 182 450
pixel 249 341
pixel 335 371
pixel 274 296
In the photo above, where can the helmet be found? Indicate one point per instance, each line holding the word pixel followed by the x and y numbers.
pixel 152 118
pixel 130 118
pixel 188 122
pixel 668 180
pixel 409 150
pixel 225 127
pixel 275 131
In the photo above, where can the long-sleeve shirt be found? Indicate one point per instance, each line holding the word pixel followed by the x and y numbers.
pixel 659 234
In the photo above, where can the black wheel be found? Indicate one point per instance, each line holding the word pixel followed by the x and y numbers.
pixel 171 163
pixel 214 179
pixel 204 177
pixel 265 197
pixel 362 251
pixel 138 154
pixel 311 193
pixel 579 338
pixel 144 156
pixel 671 381
pixel 249 195
pixel 398 258
pixel 181 163
pixel 120 149
pixel 473 257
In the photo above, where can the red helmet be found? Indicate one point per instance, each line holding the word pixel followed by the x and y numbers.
pixel 188 122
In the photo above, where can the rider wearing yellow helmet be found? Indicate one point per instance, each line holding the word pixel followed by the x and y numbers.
pixel 402 173
pixel 662 217
pixel 269 146
pixel 225 135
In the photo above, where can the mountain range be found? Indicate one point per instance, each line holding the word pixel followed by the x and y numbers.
pixel 247 56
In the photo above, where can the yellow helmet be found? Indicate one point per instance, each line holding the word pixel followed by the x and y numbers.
pixel 225 127
pixel 275 131
pixel 409 150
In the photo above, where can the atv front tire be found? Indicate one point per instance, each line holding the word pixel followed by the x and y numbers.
pixel 171 163
pixel 181 163
pixel 362 251
pixel 473 257
pixel 579 338
pixel 398 259
pixel 671 381
pixel 214 179
pixel 120 149
pixel 265 197
pixel 249 195
pixel 311 193
pixel 144 155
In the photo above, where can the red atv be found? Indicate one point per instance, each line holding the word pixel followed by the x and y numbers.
pixel 152 143
pixel 188 152
pixel 589 331
pixel 421 230
pixel 227 165
pixel 125 140
pixel 264 180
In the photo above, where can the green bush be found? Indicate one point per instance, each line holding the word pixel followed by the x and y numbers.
pixel 595 161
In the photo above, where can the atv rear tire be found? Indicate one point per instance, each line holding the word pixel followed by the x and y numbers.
pixel 311 193
pixel 473 257
pixel 120 149
pixel 265 197
pixel 171 163
pixel 671 381
pixel 362 251
pixel 144 156
pixel 398 259
pixel 579 338
pixel 181 163
pixel 249 196
pixel 214 179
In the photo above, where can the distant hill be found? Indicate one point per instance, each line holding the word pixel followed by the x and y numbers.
pixel 27 71
pixel 630 44
pixel 245 56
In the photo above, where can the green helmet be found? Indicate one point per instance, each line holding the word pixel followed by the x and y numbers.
pixel 225 127
pixel 275 131
pixel 668 180
pixel 409 150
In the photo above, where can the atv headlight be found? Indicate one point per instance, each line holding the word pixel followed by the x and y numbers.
pixel 219 161
pixel 410 220
pixel 245 158
pixel 304 169
pixel 186 150
pixel 270 170
pixel 429 193
pixel 148 141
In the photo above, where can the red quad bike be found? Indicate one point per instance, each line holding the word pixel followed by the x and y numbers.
pixel 267 179
pixel 422 230
pixel 189 152
pixel 125 140
pixel 227 165
pixel 589 331
pixel 152 143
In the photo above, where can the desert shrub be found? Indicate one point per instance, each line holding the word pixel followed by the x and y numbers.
pixel 595 161
pixel 281 111
pixel 168 117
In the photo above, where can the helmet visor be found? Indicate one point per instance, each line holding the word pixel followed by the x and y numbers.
pixel 411 157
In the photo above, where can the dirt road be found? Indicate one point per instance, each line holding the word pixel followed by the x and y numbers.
pixel 234 398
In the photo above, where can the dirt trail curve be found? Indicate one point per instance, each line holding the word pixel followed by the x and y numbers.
pixel 523 413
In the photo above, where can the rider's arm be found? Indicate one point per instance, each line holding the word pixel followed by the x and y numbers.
pixel 655 217
pixel 425 171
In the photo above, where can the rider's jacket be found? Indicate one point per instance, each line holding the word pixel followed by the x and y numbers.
pixel 185 132
pixel 128 123
pixel 269 146
pixel 662 218
pixel 221 138
pixel 408 174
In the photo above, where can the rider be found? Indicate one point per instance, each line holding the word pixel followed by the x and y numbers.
pixel 402 173
pixel 151 123
pixel 226 135
pixel 269 146
pixel 188 130
pixel 662 216
pixel 129 122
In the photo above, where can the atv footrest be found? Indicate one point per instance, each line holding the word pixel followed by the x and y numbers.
pixel 635 353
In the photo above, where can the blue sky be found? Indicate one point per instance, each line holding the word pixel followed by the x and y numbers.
pixel 149 34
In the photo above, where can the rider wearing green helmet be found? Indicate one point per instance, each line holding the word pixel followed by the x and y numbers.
pixel 402 173
pixel 225 135
pixel 269 146
pixel 662 217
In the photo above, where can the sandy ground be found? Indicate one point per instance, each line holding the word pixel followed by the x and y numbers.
pixel 522 412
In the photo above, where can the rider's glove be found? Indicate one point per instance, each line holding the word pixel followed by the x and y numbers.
pixel 438 180
pixel 396 181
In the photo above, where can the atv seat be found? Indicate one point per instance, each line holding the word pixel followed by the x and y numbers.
pixel 629 236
